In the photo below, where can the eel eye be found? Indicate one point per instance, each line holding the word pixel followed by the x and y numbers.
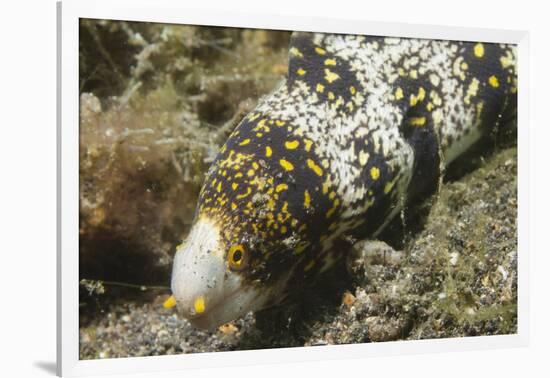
pixel 237 257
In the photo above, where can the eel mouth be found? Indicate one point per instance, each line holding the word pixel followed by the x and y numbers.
pixel 208 313
pixel 234 304
pixel 218 313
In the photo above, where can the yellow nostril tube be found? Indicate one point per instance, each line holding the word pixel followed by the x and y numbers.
pixel 169 303
pixel 199 305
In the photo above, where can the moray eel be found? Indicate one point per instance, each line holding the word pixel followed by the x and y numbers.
pixel 359 126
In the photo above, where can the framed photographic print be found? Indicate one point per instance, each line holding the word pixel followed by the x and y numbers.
pixel 275 188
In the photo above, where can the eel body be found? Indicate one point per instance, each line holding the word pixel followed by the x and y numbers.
pixel 359 126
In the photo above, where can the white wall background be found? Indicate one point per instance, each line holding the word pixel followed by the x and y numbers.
pixel 27 188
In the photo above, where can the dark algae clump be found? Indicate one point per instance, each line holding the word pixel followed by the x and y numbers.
pixel 157 102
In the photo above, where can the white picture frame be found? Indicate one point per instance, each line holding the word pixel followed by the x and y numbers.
pixel 165 11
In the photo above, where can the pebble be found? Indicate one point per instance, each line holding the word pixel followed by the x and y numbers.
pixel 348 299
pixel 454 258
